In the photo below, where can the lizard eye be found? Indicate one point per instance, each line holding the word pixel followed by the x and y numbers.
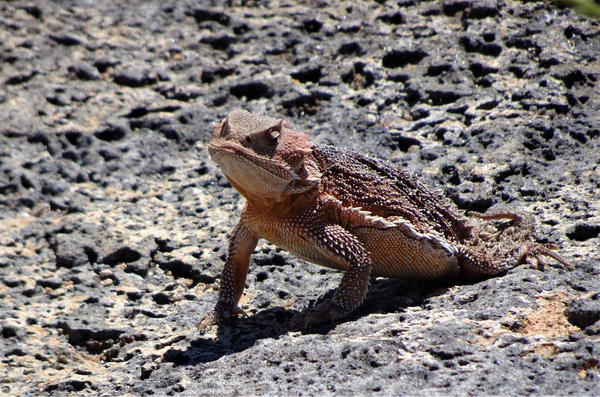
pixel 273 135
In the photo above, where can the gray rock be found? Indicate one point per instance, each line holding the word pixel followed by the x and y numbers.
pixel 114 222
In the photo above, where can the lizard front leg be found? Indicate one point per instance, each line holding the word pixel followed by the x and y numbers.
pixel 233 277
pixel 342 247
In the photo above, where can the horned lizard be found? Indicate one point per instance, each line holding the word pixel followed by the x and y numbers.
pixel 351 212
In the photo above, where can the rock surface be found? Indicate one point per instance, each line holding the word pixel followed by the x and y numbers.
pixel 114 221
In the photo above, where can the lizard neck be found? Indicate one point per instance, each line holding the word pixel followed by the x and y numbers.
pixel 280 204
pixel 285 205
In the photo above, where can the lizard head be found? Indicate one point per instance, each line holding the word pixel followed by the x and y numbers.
pixel 262 157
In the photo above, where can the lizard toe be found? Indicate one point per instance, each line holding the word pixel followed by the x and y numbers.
pixel 207 321
pixel 324 312
pixel 217 316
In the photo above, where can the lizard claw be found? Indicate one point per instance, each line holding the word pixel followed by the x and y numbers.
pixel 218 316
pixel 535 253
pixel 208 321
pixel 327 311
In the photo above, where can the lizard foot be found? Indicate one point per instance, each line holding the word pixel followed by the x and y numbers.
pixel 535 253
pixel 327 311
pixel 218 316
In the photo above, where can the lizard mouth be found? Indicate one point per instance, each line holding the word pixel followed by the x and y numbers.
pixel 237 155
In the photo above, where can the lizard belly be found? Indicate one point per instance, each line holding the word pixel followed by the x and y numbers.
pixel 398 252
pixel 401 252
pixel 291 237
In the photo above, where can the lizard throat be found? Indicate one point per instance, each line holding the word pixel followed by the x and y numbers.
pixel 253 175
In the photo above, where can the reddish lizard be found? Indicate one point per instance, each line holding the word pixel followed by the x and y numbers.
pixel 347 211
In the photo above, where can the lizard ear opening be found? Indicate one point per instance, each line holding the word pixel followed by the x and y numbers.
pixel 295 145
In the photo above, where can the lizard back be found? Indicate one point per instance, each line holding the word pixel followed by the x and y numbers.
pixel 386 191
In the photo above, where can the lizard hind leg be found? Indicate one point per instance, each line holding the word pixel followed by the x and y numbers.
pixel 515 217
pixel 520 224
pixel 495 249
pixel 532 252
